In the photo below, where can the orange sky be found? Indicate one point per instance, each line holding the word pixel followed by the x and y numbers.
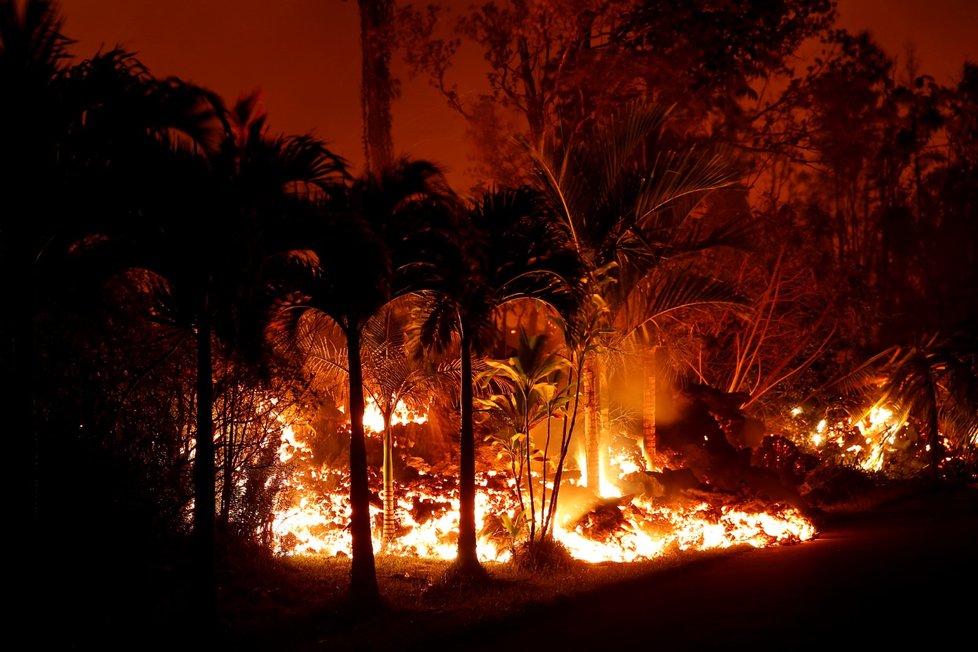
pixel 304 56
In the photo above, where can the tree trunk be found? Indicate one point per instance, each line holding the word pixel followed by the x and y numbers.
pixel 364 593
pixel 204 476
pixel 376 85
pixel 18 361
pixel 468 556
pixel 592 426
pixel 651 362
pixel 227 481
pixel 934 436
pixel 603 400
pixel 390 522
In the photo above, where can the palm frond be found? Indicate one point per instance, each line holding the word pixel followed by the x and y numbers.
pixel 686 175
pixel 671 291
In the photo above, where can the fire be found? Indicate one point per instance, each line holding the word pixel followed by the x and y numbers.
pixel 373 418
pixel 865 439
pixel 289 446
pixel 595 523
pixel 316 513
pixel 428 512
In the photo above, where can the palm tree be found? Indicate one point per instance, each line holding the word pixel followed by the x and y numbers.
pixel 628 200
pixel 32 54
pixel 360 248
pixel 202 207
pixel 395 376
pixel 933 383
pixel 513 252
pixel 97 141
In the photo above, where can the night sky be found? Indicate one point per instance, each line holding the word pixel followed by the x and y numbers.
pixel 304 56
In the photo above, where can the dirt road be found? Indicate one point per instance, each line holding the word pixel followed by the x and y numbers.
pixel 902 575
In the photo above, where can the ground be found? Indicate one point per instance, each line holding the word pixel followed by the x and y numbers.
pixel 889 555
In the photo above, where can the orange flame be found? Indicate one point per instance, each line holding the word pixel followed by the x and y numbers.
pixel 315 518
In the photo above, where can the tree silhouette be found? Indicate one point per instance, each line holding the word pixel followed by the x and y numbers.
pixel 395 377
pixel 514 251
pixel 202 208
pixel 356 251
pixel 933 383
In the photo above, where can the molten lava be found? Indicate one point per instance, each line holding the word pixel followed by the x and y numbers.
pixel 595 526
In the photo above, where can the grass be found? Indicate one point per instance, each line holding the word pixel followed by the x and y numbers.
pixel 298 603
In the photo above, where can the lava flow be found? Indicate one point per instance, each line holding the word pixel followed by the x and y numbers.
pixel 314 511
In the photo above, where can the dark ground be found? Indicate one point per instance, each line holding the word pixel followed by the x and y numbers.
pixel 902 574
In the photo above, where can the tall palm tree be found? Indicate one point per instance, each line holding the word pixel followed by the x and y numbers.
pixel 90 145
pixel 513 251
pixel 201 210
pixel 33 51
pixel 628 200
pixel 358 250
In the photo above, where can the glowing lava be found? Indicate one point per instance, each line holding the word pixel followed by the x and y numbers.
pixel 314 515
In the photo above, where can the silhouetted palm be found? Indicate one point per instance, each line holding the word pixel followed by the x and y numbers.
pixel 194 223
pixel 358 250
pixel 513 251
pixel 90 151
pixel 32 50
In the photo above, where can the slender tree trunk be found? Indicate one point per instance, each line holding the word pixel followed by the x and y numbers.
pixel 603 400
pixel 390 522
pixel 227 481
pixel 204 475
pixel 468 556
pixel 30 473
pixel 364 593
pixel 592 426
pixel 21 378
pixel 377 87
pixel 528 461
pixel 936 448
pixel 651 361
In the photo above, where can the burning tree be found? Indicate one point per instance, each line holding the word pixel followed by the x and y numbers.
pixel 933 385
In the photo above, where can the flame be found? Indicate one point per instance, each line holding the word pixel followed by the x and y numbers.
pixel 373 418
pixel 877 428
pixel 652 529
pixel 581 458
pixel 289 446
pixel 428 512
pixel 865 440
pixel 314 512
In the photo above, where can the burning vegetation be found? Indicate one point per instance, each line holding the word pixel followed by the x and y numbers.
pixel 314 508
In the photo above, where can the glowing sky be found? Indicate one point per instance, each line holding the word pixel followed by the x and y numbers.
pixel 304 56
